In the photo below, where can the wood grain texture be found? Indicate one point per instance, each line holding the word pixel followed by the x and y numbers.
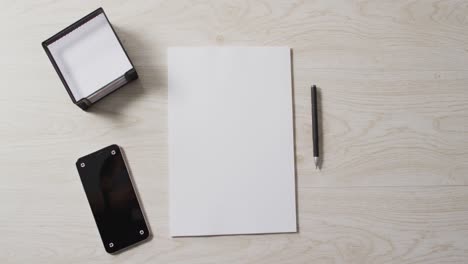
pixel 393 79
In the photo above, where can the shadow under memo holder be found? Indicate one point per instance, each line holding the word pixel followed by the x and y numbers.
pixel 90 59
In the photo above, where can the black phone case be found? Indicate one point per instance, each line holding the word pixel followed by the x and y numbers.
pixel 112 198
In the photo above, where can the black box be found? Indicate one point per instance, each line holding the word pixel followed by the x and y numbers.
pixel 90 59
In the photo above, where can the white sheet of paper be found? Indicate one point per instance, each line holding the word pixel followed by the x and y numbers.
pixel 90 57
pixel 231 145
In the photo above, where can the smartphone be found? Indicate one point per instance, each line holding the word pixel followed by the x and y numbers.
pixel 112 198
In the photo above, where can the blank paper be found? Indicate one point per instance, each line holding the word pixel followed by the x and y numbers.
pixel 90 57
pixel 231 145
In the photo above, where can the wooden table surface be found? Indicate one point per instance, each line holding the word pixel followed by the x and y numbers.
pixel 393 77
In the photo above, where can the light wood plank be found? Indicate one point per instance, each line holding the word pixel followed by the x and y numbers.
pixel 337 225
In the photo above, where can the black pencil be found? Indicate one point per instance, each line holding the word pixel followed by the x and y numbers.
pixel 315 135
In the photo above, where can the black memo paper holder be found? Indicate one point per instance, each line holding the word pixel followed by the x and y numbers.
pixel 85 103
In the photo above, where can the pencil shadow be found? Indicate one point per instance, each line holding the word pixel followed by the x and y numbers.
pixel 117 103
pixel 294 139
pixel 137 193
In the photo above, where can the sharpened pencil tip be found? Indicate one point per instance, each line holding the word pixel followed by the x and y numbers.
pixel 316 162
